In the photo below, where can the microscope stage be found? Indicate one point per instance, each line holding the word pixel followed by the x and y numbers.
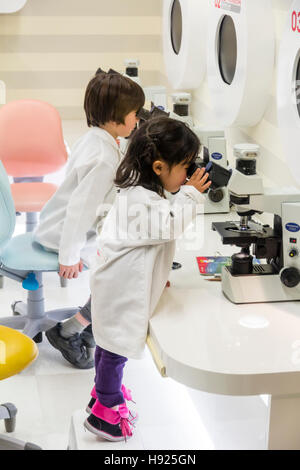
pixel 231 235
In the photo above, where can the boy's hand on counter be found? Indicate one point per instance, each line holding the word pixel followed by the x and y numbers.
pixel 70 272
pixel 199 180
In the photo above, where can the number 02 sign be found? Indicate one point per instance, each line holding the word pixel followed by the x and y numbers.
pixel 296 21
pixel 231 5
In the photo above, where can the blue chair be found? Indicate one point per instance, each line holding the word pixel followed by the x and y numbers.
pixel 24 260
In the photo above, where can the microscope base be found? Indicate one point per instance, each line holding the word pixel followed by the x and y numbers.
pixel 256 288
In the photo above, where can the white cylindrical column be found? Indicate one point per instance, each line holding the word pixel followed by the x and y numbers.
pixel 240 59
pixel 184 42
pixel 10 6
pixel 288 90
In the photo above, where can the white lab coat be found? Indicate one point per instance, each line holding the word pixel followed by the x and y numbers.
pixel 68 221
pixel 131 271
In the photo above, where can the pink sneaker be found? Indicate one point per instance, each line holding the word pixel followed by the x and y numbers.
pixel 127 393
pixel 113 425
pixel 133 416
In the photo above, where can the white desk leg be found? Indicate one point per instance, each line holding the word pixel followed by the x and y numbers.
pixel 284 423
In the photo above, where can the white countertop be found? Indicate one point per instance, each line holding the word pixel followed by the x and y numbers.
pixel 211 344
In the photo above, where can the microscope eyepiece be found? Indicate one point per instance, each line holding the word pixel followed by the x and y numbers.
pixel 181 109
pixel 218 175
pixel 156 111
pixel 246 155
pixel 245 166
pixel 193 167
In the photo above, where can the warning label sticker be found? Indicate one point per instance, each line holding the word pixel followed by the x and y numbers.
pixel 231 5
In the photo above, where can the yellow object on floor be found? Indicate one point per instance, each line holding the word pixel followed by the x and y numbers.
pixel 17 351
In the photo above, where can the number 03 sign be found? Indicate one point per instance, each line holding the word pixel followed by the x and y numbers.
pixel 296 21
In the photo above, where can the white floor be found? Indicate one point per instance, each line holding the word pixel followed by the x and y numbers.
pixel 51 394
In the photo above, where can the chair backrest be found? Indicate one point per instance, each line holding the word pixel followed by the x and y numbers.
pixel 31 138
pixel 7 209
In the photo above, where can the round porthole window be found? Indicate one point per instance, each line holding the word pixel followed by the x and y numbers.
pixel 297 85
pixel 227 49
pixel 176 26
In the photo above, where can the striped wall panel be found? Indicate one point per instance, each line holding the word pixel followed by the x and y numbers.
pixel 51 48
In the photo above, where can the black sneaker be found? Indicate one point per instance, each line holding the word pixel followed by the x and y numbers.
pixel 90 405
pixel 71 348
pixel 111 432
pixel 88 338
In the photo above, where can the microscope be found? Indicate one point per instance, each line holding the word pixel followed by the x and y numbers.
pixel 155 94
pixel 131 69
pixel 279 278
pixel 213 157
pixel 215 161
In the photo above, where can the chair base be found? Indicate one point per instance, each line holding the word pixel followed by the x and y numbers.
pixel 31 324
pixel 8 412
pixel 10 443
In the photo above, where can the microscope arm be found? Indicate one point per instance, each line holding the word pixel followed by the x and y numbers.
pixel 247 193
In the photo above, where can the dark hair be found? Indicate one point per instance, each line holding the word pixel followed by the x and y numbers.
pixel 160 138
pixel 110 97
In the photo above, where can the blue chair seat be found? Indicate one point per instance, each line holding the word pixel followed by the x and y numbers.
pixel 24 254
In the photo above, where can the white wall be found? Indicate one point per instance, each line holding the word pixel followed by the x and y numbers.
pixel 266 133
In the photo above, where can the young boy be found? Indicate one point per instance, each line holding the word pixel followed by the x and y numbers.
pixel 68 221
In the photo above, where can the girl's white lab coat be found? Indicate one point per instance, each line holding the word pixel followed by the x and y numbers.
pixel 68 221
pixel 131 269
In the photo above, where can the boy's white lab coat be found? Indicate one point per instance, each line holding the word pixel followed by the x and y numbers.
pixel 131 270
pixel 68 221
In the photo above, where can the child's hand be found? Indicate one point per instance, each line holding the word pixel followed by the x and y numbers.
pixel 70 272
pixel 199 181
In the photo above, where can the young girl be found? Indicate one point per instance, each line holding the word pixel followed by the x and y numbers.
pixel 68 221
pixel 136 248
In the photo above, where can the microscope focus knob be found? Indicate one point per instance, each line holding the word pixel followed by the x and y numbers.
pixel 290 277
pixel 216 195
pixel 293 252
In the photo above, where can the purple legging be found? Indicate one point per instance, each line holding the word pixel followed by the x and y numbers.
pixel 109 374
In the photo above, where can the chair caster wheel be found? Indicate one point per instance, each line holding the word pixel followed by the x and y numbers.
pixel 63 282
pixel 38 338
pixel 176 265
pixel 10 423
pixel 31 446
pixel 13 307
